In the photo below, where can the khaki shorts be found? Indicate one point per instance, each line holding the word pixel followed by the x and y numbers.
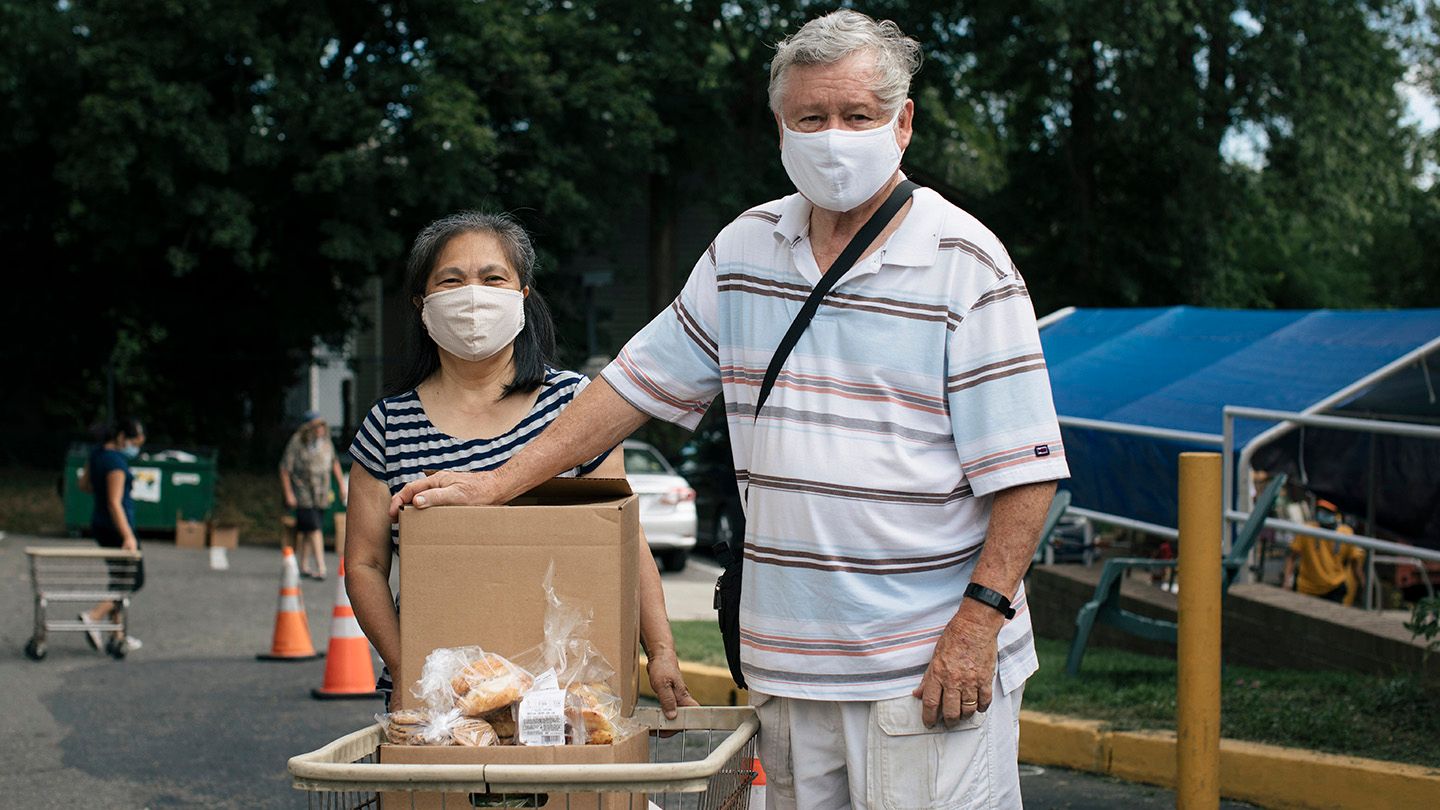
pixel 878 755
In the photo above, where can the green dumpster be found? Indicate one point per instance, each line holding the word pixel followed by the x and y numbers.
pixel 166 482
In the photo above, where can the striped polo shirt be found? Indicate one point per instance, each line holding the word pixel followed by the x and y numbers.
pixel 397 442
pixel 918 391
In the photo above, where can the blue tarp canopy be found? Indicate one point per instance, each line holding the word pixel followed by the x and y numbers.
pixel 1178 367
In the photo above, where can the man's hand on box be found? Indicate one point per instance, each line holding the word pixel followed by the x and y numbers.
pixel 668 683
pixel 446 489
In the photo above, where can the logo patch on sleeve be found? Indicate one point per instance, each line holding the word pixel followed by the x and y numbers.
pixel 1042 450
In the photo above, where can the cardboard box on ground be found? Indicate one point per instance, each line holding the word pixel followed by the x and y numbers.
pixel 472 576
pixel 190 533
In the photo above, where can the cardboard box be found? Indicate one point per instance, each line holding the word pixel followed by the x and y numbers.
pixel 190 533
pixel 471 575
pixel 224 536
pixel 633 749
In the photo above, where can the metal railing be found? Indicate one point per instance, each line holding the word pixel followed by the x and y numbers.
pixel 1287 420
pixel 1226 441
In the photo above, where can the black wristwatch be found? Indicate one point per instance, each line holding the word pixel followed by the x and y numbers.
pixel 991 599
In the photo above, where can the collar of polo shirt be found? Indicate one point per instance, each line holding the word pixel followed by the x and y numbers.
pixel 914 244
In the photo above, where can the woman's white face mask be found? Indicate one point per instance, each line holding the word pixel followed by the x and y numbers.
pixel 475 321
pixel 839 169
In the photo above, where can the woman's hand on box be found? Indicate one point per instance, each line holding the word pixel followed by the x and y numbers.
pixel 447 489
pixel 667 682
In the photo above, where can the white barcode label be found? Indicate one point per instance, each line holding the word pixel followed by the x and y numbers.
pixel 542 713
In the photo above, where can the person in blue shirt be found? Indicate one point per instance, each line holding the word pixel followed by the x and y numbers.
pixel 108 478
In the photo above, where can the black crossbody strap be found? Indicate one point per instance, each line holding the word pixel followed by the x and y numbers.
pixel 842 265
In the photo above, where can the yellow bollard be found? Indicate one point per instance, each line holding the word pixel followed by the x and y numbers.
pixel 1197 719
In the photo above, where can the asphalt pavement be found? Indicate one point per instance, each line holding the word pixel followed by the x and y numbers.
pixel 194 720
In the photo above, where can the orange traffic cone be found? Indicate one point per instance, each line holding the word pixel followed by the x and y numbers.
pixel 292 629
pixel 757 787
pixel 349 672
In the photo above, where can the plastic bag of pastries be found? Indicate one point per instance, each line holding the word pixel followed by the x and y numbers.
pixel 473 732
pixel 419 726
pixel 470 679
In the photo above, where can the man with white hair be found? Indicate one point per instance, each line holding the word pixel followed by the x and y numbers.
pixel 896 478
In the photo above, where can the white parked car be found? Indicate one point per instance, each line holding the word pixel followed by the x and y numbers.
pixel 667 504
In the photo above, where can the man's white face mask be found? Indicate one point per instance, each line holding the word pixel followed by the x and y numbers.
pixel 839 169
pixel 475 321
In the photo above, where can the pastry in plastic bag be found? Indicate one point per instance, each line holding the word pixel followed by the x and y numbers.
pixel 488 683
pixel 503 721
pixel 470 679
pixel 404 727
pixel 419 726
pixel 599 708
pixel 473 732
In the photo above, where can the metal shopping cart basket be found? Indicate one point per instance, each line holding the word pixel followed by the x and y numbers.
pixel 707 762
pixel 65 576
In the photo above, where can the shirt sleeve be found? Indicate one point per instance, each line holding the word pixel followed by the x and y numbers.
pixel 1002 413
pixel 593 464
pixel 368 448
pixel 671 369
pixel 100 466
pixel 287 458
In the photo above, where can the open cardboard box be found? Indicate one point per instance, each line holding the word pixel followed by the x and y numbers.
pixel 471 575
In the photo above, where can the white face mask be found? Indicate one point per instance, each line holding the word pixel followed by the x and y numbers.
pixel 475 321
pixel 839 169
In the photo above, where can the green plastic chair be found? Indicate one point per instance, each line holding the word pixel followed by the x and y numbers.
pixel 1105 608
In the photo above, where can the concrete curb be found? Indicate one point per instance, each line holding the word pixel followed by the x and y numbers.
pixel 1267 775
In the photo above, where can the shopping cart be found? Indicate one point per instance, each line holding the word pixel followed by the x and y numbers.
pixel 704 759
pixel 65 575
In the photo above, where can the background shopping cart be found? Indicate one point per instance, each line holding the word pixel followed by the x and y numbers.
pixel 702 760
pixel 65 576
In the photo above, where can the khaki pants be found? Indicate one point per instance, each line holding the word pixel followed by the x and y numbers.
pixel 878 755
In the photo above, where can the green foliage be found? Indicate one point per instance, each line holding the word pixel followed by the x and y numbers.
pixel 193 193
pixel 1424 623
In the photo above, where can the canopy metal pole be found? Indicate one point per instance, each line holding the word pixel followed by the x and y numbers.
pixel 1368 380
pixel 1055 317
pixel 1208 439
pixel 1128 523
pixel 1360 540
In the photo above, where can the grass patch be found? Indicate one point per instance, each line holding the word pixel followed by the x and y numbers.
pixel 699 642
pixel 1396 719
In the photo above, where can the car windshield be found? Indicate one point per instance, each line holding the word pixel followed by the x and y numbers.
pixel 643 460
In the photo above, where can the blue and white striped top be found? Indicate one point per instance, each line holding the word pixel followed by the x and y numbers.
pixel 397 443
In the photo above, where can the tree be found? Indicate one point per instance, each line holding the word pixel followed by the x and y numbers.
pixel 206 186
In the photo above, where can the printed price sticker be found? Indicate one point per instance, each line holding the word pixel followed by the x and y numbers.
pixel 542 712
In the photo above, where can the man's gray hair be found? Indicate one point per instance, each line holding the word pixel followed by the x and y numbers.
pixel 828 39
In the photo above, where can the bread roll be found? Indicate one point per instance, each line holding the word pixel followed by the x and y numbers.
pixel 473 732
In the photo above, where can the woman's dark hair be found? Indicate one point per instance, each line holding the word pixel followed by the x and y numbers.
pixel 108 431
pixel 534 346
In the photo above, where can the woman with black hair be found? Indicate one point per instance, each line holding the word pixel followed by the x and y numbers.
pixel 108 478
pixel 476 388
